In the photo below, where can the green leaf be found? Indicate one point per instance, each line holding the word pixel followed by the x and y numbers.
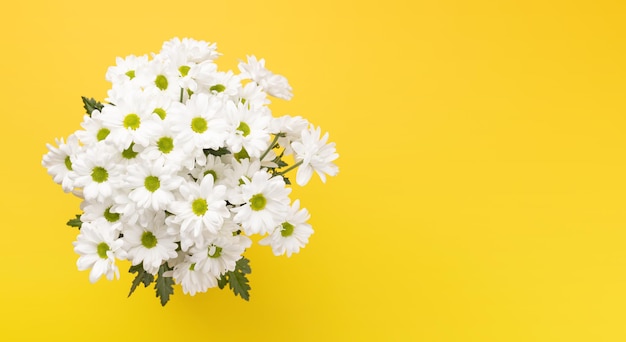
pixel 164 285
pixel 287 181
pixel 75 222
pixel 237 280
pixel 91 104
pixel 219 152
pixel 142 277
pixel 222 281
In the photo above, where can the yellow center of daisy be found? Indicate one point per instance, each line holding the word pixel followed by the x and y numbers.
pixel 111 217
pixel 214 252
pixel 165 144
pixel 102 134
pixel 161 82
pixel 99 174
pixel 199 206
pixel 287 229
pixel 258 202
pixel 244 129
pixel 152 183
pixel 199 125
pixel 160 112
pixel 102 250
pixel 132 121
pixel 148 240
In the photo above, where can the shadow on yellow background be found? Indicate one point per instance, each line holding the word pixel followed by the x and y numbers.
pixel 481 187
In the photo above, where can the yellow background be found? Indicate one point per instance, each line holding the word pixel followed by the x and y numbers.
pixel 481 195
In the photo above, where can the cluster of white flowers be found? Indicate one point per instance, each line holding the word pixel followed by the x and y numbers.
pixel 183 163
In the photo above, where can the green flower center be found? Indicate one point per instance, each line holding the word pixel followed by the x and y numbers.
pixel 258 202
pixel 111 217
pixel 218 88
pixel 148 240
pixel 244 128
pixel 287 229
pixel 212 173
pixel 152 183
pixel 165 144
pixel 199 125
pixel 132 121
pixel 68 163
pixel 130 74
pixel 184 70
pixel 243 154
pixel 199 206
pixel 99 174
pixel 102 134
pixel 160 112
pixel 129 153
pixel 217 251
pixel 161 82
pixel 192 266
pixel 102 249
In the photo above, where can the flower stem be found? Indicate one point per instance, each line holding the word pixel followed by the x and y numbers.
pixel 289 168
pixel 181 95
pixel 271 146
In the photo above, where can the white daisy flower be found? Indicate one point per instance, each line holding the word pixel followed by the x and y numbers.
pixel 150 244
pixel 202 208
pixel 219 255
pixel 93 129
pixel 165 148
pixel 152 185
pixel 266 203
pixel 214 167
pixel 291 127
pixel 275 85
pixel 125 68
pixel 58 161
pixel 202 125
pixel 251 130
pixel 292 234
pixel 127 119
pixel 314 154
pixel 252 95
pixel 102 212
pixel 190 50
pixel 98 247
pixel 193 280
pixel 97 172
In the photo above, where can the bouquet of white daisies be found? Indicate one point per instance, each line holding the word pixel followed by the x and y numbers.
pixel 181 165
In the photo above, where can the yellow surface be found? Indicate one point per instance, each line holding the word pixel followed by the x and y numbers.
pixel 482 191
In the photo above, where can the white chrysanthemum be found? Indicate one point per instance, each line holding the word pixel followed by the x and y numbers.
pixel 98 247
pixel 97 172
pixel 239 169
pixel 101 212
pixel 152 185
pixel 216 168
pixel 292 234
pixel 219 255
pixel 58 161
pixel 93 129
pixel 150 244
pixel 202 126
pixel 315 155
pixel 275 85
pixel 266 203
pixel 203 208
pixel 222 83
pixel 190 50
pixel 252 95
pixel 192 279
pixel 161 76
pixel 127 119
pixel 125 68
pixel 291 127
pixel 251 130
pixel 165 148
